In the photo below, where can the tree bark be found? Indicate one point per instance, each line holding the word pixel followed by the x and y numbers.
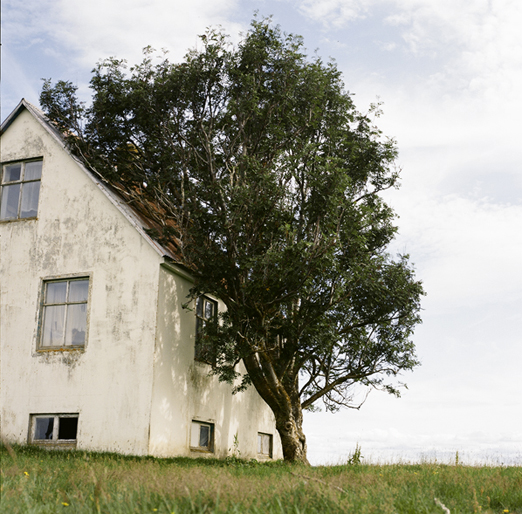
pixel 292 436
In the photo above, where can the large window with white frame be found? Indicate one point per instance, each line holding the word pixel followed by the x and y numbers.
pixel 54 429
pixel 64 313
pixel 20 190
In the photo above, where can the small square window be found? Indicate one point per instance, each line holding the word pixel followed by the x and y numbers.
pixel 64 314
pixel 206 310
pixel 54 429
pixel 202 436
pixel 20 190
pixel 264 444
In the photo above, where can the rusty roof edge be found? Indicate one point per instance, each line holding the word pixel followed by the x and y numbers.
pixel 119 203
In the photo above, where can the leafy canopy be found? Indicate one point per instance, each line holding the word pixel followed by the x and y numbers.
pixel 267 179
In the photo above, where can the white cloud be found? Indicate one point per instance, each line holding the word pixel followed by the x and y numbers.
pixel 478 43
pixel 97 29
pixel 469 251
pixel 334 13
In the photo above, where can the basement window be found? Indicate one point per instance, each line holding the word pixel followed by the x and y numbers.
pixel 206 310
pixel 202 436
pixel 264 445
pixel 20 190
pixel 64 313
pixel 54 430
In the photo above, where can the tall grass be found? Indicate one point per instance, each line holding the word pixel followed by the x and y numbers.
pixel 40 481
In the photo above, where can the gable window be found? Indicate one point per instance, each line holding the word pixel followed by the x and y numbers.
pixel 264 444
pixel 54 429
pixel 20 190
pixel 64 313
pixel 202 436
pixel 206 310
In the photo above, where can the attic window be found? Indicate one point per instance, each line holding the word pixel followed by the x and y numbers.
pixel 64 313
pixel 20 190
pixel 206 310
pixel 54 429
pixel 202 436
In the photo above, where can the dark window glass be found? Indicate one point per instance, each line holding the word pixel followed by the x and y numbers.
pixel 67 428
pixel 44 428
pixel 206 310
pixel 204 436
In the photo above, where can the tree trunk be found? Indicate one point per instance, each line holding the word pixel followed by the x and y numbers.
pixel 285 403
pixel 292 436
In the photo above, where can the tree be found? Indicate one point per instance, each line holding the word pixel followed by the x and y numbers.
pixel 268 180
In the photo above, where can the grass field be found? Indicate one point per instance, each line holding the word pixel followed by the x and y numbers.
pixel 41 481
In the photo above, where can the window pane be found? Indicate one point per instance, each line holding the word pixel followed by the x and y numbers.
pixel 9 202
pixel 30 194
pixel 78 290
pixel 12 172
pixel 56 292
pixel 33 170
pixel 264 443
pixel 199 306
pixel 43 428
pixel 52 333
pixel 67 428
pixel 209 309
pixel 76 324
pixel 204 436
pixel 194 435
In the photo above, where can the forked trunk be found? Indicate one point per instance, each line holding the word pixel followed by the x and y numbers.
pixel 285 403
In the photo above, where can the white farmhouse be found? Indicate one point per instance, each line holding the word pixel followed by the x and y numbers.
pixel 97 352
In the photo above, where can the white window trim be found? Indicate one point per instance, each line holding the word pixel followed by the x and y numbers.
pixel 270 453
pixel 41 303
pixel 23 162
pixel 54 442
pixel 203 449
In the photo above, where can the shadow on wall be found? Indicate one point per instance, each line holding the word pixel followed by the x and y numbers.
pixel 184 391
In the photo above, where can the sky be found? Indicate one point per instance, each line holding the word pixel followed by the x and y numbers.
pixel 449 76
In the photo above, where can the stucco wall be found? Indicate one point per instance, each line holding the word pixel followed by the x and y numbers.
pixel 78 231
pixel 183 389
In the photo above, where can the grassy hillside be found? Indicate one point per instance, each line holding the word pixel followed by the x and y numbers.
pixel 40 481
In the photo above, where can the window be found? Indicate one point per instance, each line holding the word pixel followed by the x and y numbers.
pixel 202 436
pixel 206 310
pixel 264 444
pixel 20 189
pixel 54 429
pixel 64 313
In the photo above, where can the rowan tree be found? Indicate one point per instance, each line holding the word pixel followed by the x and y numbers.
pixel 268 181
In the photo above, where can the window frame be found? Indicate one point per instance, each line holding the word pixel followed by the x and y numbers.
pixel 260 453
pixel 199 346
pixel 42 309
pixel 211 445
pixel 54 442
pixel 21 182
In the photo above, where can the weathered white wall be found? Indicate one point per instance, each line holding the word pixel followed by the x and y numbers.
pixel 78 230
pixel 183 389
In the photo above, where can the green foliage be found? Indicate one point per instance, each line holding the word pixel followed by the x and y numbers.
pixel 356 458
pixel 268 181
